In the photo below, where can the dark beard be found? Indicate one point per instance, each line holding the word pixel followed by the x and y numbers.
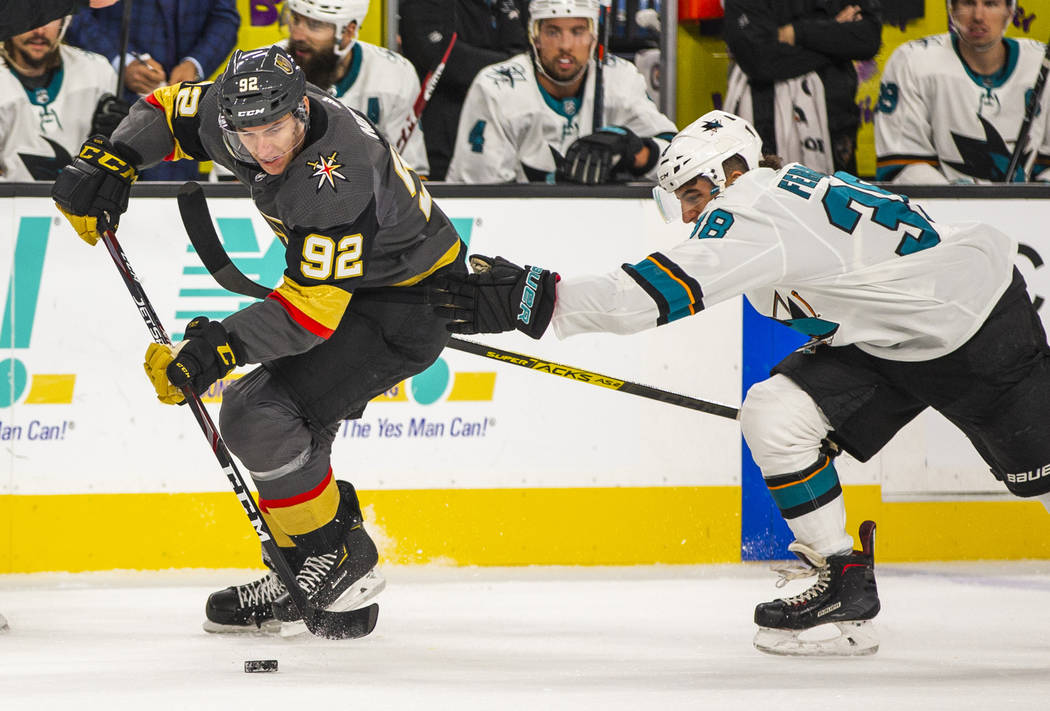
pixel 320 69
pixel 48 61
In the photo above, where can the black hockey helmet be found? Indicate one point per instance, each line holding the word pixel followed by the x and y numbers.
pixel 259 87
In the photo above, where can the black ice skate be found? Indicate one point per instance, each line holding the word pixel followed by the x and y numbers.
pixel 245 608
pixel 344 579
pixel 844 596
pixel 248 607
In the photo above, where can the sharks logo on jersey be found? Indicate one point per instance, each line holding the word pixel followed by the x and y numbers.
pixel 506 74
pixel 46 167
pixel 987 159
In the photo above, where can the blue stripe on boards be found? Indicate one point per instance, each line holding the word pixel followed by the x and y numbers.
pixel 763 533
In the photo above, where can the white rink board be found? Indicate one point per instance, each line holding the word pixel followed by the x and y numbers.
pixel 536 430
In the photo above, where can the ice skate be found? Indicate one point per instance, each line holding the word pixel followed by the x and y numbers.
pixel 844 597
pixel 249 607
pixel 344 579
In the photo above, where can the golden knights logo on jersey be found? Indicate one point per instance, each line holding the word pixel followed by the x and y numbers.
pixel 326 170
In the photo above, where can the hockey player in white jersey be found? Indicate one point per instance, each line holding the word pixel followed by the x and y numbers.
pixel 903 313
pixel 517 113
pixel 52 97
pixel 375 81
pixel 951 105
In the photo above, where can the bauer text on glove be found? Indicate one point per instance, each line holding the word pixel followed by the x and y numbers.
pixel 499 296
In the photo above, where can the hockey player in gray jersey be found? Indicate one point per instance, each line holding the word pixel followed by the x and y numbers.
pixel 377 82
pixel 950 106
pixel 903 313
pixel 52 97
pixel 519 113
pixel 363 239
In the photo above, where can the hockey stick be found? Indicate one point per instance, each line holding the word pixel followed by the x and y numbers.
pixel 125 32
pixel 604 21
pixel 333 625
pixel 196 218
pixel 1029 115
pixel 425 92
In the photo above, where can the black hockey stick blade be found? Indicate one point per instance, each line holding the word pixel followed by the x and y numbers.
pixel 343 625
pixel 193 207
pixel 195 216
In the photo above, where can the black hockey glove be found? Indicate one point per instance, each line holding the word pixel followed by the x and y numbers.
pixel 594 159
pixel 499 296
pixel 206 354
pixel 96 185
pixel 109 112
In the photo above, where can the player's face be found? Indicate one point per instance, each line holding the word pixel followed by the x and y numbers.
pixel 564 45
pixel 308 37
pixel 34 48
pixel 694 197
pixel 274 145
pixel 981 23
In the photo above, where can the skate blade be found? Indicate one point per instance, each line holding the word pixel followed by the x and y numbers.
pixel 357 595
pixel 855 639
pixel 269 628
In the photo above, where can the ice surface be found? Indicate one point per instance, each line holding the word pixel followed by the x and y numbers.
pixel 954 636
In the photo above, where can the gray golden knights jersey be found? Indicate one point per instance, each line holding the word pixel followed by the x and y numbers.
pixel 350 212
pixel 833 257
pixel 509 123
pixel 383 86
pixel 933 111
pixel 42 129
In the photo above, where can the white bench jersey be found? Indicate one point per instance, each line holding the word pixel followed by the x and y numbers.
pixel 509 123
pixel 934 112
pixel 42 129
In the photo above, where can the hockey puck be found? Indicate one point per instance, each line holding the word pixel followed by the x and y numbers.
pixel 252 666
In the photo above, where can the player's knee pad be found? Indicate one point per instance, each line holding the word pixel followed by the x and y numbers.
pixel 1034 482
pixel 782 425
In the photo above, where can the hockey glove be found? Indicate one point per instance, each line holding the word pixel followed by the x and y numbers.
pixel 96 185
pixel 207 354
pixel 499 296
pixel 109 112
pixel 593 159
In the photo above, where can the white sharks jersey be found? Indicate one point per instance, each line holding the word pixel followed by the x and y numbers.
pixel 509 124
pixel 383 86
pixel 42 129
pixel 833 257
pixel 935 112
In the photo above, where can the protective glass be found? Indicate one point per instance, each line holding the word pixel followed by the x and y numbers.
pixel 669 206
pixel 267 143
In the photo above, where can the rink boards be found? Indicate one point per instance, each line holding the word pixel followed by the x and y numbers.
pixel 471 462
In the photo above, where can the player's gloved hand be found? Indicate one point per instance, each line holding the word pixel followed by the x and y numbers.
pixel 96 185
pixel 109 111
pixel 207 354
pixel 499 296
pixel 594 159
